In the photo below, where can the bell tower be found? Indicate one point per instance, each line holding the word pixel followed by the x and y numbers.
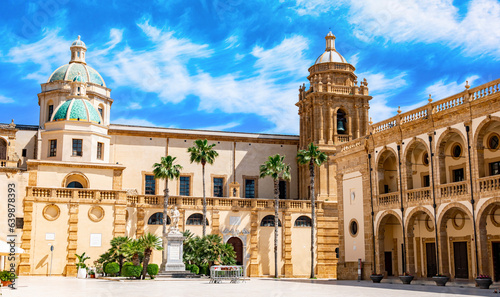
pixel 332 111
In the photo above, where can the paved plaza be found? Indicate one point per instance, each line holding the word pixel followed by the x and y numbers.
pixel 65 286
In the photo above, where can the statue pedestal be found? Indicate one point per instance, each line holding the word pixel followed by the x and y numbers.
pixel 174 252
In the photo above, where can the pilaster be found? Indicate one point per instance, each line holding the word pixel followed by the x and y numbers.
pixel 287 252
pixel 24 263
pixel 141 213
pixel 71 269
pixel 254 240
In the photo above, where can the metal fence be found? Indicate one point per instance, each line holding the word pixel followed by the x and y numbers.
pixel 220 273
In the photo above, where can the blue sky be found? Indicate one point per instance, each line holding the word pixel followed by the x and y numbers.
pixel 236 65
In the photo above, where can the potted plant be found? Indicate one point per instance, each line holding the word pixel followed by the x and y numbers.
pixel 92 273
pixel 376 277
pixel 82 268
pixel 7 277
pixel 406 278
pixel 440 279
pixel 483 281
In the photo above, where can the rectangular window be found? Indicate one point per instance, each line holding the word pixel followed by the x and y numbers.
pixel 494 168
pixel 282 188
pixel 426 181
pixel 100 149
pixel 100 111
pixel 25 152
pixel 249 188
pixel 218 187
pixel 150 185
pixel 184 188
pixel 51 111
pixel 386 189
pixel 77 147
pixel 458 175
pixel 53 148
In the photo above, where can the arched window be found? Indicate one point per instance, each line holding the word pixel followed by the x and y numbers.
pixel 303 221
pixel 3 149
pixel 341 122
pixel 268 221
pixel 195 219
pixel 74 185
pixel 157 219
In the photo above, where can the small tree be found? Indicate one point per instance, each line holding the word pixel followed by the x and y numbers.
pixel 117 250
pixel 166 170
pixel 149 243
pixel 203 153
pixel 81 260
pixel 276 168
pixel 134 251
pixel 312 157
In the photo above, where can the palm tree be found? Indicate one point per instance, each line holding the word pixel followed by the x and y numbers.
pixel 134 251
pixel 314 157
pixel 166 170
pixel 117 249
pixel 149 243
pixel 203 153
pixel 276 169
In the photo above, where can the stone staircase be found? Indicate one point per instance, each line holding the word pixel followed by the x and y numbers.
pixel 177 274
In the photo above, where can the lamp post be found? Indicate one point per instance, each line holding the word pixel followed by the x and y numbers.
pixel 51 257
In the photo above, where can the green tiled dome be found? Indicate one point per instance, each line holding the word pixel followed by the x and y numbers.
pixel 77 110
pixel 70 71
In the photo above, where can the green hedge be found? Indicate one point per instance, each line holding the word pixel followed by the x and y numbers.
pixel 130 270
pixel 153 270
pixel 112 268
pixel 204 269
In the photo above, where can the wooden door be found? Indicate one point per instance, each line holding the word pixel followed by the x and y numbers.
pixel 388 263
pixel 495 248
pixel 430 252
pixel 461 259
pixel 238 249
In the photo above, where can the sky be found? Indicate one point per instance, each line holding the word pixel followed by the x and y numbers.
pixel 235 65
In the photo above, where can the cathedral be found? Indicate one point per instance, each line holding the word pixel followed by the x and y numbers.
pixel 416 193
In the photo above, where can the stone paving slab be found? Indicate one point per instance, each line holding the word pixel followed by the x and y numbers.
pixel 62 287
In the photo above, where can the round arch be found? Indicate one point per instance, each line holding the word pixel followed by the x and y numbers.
pixel 414 142
pixel 413 161
pixel 447 134
pixel 157 219
pixel 237 244
pixel 411 216
pixel 387 179
pixel 486 127
pixel 484 124
pixel 441 145
pixel 445 212
pixel 382 219
pixel 76 177
pixel 196 219
pixel 484 243
pixel 380 241
pixel 268 221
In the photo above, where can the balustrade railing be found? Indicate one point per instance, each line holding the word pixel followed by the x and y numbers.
pixel 418 195
pixel 388 199
pixel 490 183
pixel 453 189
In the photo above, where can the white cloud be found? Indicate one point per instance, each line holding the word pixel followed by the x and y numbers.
pixel 382 87
pixel 441 89
pixel 4 99
pixel 430 21
pixel 133 122
pixel 134 106
pixel 315 7
pixel 220 127
pixel 49 52
pixel 232 41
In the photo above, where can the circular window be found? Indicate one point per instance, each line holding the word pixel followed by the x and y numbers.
pixel 456 151
pixel 51 212
pixel 458 220
pixel 428 224
pixel 495 216
pixel 353 228
pixel 493 142
pixel 96 213
pixel 425 159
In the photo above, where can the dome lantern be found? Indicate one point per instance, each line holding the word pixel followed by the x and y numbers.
pixel 78 50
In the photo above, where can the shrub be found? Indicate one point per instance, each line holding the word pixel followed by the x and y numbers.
pixel 130 270
pixel 204 269
pixel 112 268
pixel 153 270
pixel 194 269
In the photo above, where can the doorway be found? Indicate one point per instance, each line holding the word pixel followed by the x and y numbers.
pixel 461 259
pixel 388 263
pixel 430 252
pixel 495 248
pixel 238 249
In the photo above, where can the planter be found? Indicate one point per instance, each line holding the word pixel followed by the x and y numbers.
pixel 376 278
pixel 6 283
pixel 82 273
pixel 484 283
pixel 406 279
pixel 441 280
